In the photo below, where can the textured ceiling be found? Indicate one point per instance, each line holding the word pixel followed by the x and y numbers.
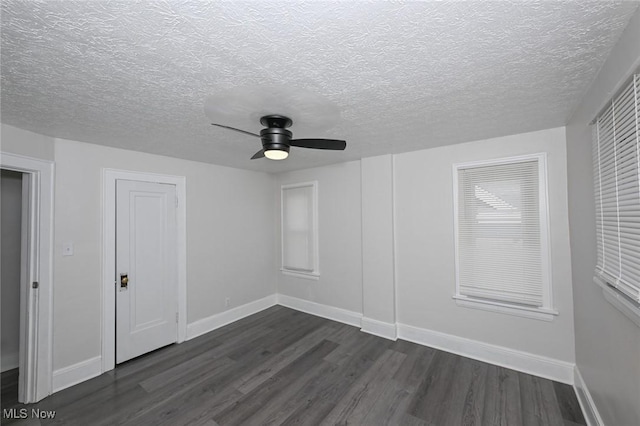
pixel 385 76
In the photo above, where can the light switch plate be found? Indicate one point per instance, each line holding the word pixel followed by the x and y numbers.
pixel 67 249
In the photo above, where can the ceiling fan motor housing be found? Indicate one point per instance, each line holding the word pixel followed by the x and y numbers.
pixel 275 138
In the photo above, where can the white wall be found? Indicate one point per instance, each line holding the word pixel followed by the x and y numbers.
pixel 378 288
pixel 229 239
pixel 424 240
pixel 425 247
pixel 340 237
pixel 11 205
pixel 24 142
pixel 607 343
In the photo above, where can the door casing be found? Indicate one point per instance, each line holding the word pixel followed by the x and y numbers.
pixel 36 316
pixel 110 176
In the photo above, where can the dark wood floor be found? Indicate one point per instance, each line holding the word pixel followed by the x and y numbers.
pixel 285 367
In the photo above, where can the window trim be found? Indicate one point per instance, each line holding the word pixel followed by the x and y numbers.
pixel 619 301
pixel 315 273
pixel 546 312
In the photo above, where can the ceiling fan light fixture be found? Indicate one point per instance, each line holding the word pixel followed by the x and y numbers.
pixel 276 154
pixel 275 151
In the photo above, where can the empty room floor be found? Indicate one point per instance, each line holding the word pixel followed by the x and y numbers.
pixel 282 366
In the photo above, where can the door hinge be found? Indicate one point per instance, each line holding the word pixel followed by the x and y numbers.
pixel 35 284
pixel 176 201
pixel 177 314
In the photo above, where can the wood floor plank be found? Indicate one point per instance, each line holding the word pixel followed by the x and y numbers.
pixel 430 401
pixel 310 413
pixel 176 413
pixel 345 334
pixel 284 380
pixel 221 386
pixel 203 415
pixel 214 378
pixel 537 398
pixel 405 346
pixel 287 334
pixel 570 423
pixel 133 371
pixel 412 371
pixel 568 403
pixel 356 403
pixel 502 397
pixel 258 375
pixel 235 333
pixel 409 420
pixel 287 402
pixel 193 382
pixel 286 367
pixel 466 397
pixel 390 406
pixel 190 367
pixel 350 339
pixel 325 391
pixel 101 405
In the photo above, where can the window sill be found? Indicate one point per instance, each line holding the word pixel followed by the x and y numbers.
pixel 542 314
pixel 619 301
pixel 299 274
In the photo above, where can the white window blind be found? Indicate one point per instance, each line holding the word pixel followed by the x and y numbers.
pixel 616 162
pixel 298 228
pixel 502 254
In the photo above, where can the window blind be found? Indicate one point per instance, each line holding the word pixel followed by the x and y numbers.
pixel 616 162
pixel 499 244
pixel 298 234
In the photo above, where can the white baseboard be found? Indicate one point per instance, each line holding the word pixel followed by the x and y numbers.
pixel 560 371
pixel 76 373
pixel 213 322
pixel 550 368
pixel 591 414
pixel 379 328
pixel 9 361
pixel 324 311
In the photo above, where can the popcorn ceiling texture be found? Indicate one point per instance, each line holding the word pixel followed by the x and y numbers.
pixel 400 76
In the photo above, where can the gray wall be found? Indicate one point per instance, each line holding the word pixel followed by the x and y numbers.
pixel 607 343
pixel 11 211
pixel 229 239
pixel 378 269
pixel 424 238
pixel 24 142
pixel 426 256
pixel 340 237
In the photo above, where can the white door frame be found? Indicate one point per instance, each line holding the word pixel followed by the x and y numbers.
pixel 36 372
pixel 109 178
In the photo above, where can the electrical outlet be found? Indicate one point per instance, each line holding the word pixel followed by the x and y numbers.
pixel 227 302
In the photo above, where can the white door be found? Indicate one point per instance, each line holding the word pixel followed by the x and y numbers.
pixel 146 268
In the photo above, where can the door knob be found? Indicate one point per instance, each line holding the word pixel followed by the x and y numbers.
pixel 124 281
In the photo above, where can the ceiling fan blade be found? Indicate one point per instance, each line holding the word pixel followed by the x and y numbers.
pixel 237 130
pixel 319 143
pixel 259 154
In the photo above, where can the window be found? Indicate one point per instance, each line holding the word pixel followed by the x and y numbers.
pixel 501 227
pixel 616 162
pixel 300 230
